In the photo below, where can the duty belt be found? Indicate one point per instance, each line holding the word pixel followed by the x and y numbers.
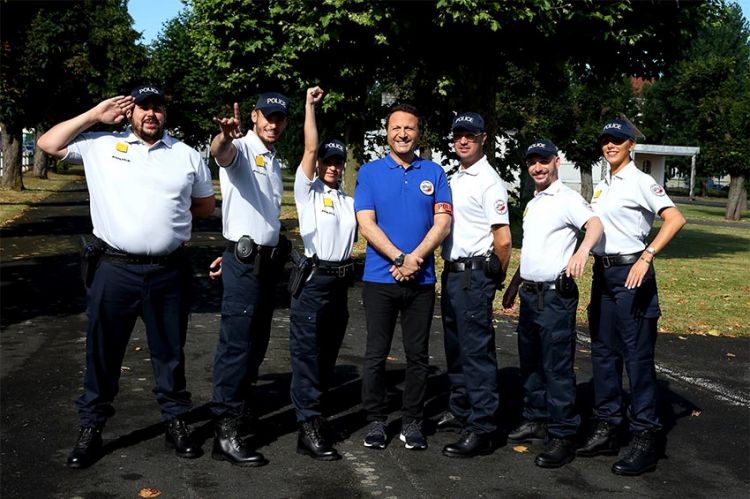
pixel 539 288
pixel 263 250
pixel 114 254
pixel 464 264
pixel 335 269
pixel 608 261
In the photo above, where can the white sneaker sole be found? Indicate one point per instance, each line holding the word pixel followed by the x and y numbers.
pixel 402 437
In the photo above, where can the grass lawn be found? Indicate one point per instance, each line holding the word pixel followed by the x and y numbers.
pixel 14 203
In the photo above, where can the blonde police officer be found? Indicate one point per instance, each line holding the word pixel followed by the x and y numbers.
pixel 146 187
pixel 624 302
pixel 549 299
pixel 318 312
pixel 251 191
pixel 476 253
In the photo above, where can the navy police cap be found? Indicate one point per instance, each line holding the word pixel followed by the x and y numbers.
pixel 272 102
pixel 143 92
pixel 330 148
pixel 471 122
pixel 542 147
pixel 620 129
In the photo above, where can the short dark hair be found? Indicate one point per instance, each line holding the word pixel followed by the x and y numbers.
pixel 404 108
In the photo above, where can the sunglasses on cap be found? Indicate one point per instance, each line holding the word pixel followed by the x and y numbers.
pixel 606 139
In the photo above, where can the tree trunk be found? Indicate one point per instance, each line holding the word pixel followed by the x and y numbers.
pixel 354 146
pixel 587 183
pixel 41 161
pixel 11 178
pixel 425 152
pixel 737 198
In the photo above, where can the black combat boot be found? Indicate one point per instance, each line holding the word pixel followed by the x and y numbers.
pixel 88 448
pixel 559 452
pixel 528 431
pixel 178 437
pixel 312 441
pixel 601 441
pixel 640 458
pixel 228 446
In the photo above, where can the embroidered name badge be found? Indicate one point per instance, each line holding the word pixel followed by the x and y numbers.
pixel 426 187
pixel 260 161
pixel 500 207
pixel 121 147
pixel 657 189
pixel 327 202
pixel 443 208
pixel 597 194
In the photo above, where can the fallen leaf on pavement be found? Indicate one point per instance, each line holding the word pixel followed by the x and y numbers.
pixel 392 358
pixel 520 448
pixel 138 349
pixel 149 492
pixel 730 354
pixel 695 413
pixel 682 337
pixel 713 332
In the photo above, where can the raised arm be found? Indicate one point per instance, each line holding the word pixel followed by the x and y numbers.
pixel 222 148
pixel 111 111
pixel 314 96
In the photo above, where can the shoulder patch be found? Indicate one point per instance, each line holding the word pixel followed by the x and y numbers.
pixel 657 189
pixel 426 187
pixel 501 207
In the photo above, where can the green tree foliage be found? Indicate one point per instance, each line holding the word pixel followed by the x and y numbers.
pixel 705 101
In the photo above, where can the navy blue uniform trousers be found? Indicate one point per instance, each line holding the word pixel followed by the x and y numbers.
pixel 469 339
pixel 546 353
pixel 623 330
pixel 246 314
pixel 119 294
pixel 318 319
pixel 383 304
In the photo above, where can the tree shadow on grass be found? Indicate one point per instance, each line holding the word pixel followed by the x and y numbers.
pixel 694 242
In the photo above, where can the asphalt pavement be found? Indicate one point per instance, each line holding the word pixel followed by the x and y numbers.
pixel 704 392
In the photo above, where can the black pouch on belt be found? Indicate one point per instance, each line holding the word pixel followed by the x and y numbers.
pixel 303 266
pixel 244 250
pixel 494 269
pixel 566 286
pixel 91 253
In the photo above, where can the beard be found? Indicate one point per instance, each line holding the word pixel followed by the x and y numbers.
pixel 149 134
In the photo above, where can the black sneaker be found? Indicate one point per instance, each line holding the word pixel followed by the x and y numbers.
pixel 411 436
pixel 376 435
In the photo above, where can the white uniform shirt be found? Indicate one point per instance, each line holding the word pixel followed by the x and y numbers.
pixel 251 191
pixel 327 222
pixel 627 203
pixel 140 194
pixel 551 222
pixel 479 202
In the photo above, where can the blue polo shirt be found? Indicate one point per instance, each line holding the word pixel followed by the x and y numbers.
pixel 404 203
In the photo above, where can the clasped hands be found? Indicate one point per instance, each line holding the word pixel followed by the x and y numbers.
pixel 409 270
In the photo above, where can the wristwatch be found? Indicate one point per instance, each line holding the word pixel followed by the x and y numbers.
pixel 399 260
pixel 651 251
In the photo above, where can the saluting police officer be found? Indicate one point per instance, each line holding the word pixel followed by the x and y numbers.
pixel 251 189
pixel 318 312
pixel 624 305
pixel 549 299
pixel 476 253
pixel 145 188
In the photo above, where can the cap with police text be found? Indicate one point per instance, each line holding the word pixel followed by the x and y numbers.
pixel 620 129
pixel 470 122
pixel 143 92
pixel 542 147
pixel 272 102
pixel 330 148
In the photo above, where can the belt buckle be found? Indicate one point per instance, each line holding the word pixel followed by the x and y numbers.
pixel 606 262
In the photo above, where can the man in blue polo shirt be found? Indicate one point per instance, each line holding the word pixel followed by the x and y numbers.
pixel 404 210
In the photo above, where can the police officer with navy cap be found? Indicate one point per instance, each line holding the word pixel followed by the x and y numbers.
pixel 251 191
pixel 476 253
pixel 624 305
pixel 319 286
pixel 549 299
pixel 145 187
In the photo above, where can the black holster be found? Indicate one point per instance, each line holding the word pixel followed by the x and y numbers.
pixel 494 269
pixel 301 271
pixel 91 253
pixel 566 286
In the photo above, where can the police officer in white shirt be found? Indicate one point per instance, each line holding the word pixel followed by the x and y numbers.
pixel 624 305
pixel 549 299
pixel 476 253
pixel 251 191
pixel 319 285
pixel 145 188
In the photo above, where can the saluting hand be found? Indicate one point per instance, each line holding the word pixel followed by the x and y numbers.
pixel 230 127
pixel 114 110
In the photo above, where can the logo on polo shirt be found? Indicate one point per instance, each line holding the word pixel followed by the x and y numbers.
pixel 260 161
pixel 596 195
pixel 501 207
pixel 121 147
pixel 657 189
pixel 426 187
pixel 525 211
pixel 327 202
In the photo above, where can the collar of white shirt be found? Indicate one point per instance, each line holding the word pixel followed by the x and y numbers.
pixel 626 171
pixel 553 189
pixel 165 139
pixel 257 145
pixel 475 168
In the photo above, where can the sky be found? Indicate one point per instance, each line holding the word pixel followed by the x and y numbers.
pixel 150 15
